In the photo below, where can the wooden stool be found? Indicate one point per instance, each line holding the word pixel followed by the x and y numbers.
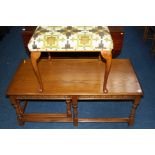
pixel 71 39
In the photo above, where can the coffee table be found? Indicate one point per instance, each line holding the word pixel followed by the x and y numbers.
pixel 72 80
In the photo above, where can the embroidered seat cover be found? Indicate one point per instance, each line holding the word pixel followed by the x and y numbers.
pixel 71 38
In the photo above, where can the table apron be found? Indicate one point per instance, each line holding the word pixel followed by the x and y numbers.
pixel 80 97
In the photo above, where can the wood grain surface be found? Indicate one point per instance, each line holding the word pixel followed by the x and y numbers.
pixel 75 77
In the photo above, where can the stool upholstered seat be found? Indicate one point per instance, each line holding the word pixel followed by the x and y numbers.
pixel 71 38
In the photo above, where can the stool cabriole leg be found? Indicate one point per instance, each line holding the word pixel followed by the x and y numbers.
pixel 34 57
pixel 107 55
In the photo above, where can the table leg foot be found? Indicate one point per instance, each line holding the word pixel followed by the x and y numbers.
pixel 131 122
pixel 105 90
pixel 40 89
pixel 20 122
pixel 76 122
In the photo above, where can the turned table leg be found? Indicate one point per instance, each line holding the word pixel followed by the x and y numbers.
pixel 107 55
pixel 133 110
pixel 68 102
pixel 34 57
pixel 19 110
pixel 75 111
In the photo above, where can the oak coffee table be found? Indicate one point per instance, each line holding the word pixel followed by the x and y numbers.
pixel 72 80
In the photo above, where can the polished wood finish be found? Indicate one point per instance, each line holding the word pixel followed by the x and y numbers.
pixel 117 33
pixel 107 55
pixel 73 76
pixel 73 80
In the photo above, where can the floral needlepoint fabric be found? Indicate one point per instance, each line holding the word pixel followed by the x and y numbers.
pixel 69 38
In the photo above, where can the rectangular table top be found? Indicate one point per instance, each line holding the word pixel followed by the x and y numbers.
pixel 70 38
pixel 75 77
